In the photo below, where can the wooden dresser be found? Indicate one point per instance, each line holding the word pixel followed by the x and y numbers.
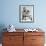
pixel 23 38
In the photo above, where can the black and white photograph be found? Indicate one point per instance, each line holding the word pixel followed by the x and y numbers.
pixel 26 13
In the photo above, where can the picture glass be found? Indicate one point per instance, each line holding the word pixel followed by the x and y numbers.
pixel 26 13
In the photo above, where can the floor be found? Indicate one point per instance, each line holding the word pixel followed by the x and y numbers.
pixel 0 44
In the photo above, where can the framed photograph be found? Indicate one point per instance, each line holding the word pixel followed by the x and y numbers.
pixel 26 13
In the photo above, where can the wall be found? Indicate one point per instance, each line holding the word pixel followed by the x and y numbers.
pixel 9 13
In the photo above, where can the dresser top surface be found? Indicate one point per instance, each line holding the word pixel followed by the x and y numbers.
pixel 22 30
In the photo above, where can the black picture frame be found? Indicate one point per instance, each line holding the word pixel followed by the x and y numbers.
pixel 26 13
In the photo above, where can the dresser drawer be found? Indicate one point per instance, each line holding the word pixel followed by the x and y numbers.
pixel 12 39
pixel 13 44
pixel 37 44
pixel 13 33
pixel 37 39
pixel 34 33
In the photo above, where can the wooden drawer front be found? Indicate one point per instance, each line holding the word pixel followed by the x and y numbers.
pixel 20 44
pixel 37 45
pixel 6 39
pixel 12 39
pixel 37 39
pixel 13 33
pixel 33 33
pixel 33 40
pixel 8 45
pixel 27 41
